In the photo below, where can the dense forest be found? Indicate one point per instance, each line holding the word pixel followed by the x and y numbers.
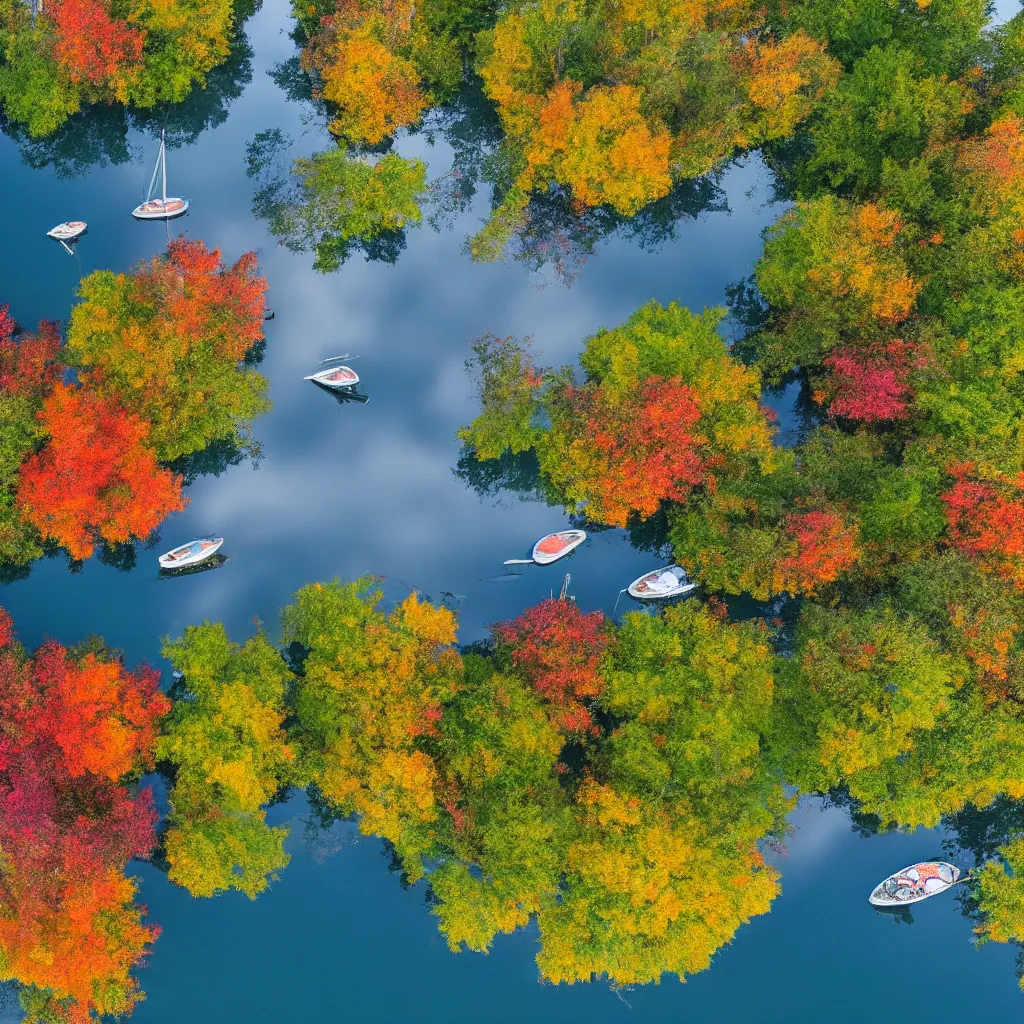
pixel 615 782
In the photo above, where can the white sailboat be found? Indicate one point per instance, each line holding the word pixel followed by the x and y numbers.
pixel 164 208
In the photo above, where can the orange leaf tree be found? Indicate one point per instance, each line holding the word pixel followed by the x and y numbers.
pixel 72 727
pixel 97 478
pixel 168 341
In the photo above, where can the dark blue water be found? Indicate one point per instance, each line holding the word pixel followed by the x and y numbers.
pixel 343 491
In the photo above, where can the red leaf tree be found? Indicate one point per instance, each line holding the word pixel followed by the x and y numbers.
pixel 91 45
pixel 96 479
pixel 870 384
pixel 631 453
pixel 986 522
pixel 69 728
pixel 821 546
pixel 30 365
pixel 558 649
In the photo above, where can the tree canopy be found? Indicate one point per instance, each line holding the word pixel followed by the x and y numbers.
pixel 62 56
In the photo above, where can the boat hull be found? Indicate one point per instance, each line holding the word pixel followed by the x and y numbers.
pixel 156 209
pixel 337 377
pixel 639 591
pixel 68 231
pixel 193 553
pixel 880 898
pixel 574 538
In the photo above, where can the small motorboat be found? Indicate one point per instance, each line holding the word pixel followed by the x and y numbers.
pixel 915 883
pixel 552 547
pixel 192 553
pixel 163 208
pixel 68 231
pixel 557 545
pixel 672 581
pixel 335 377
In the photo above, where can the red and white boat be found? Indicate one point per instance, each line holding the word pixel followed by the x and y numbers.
pixel 551 547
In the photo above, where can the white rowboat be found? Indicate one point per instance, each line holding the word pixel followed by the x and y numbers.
pixel 67 231
pixel 915 883
pixel 192 553
pixel 557 545
pixel 672 581
pixel 164 208
pixel 335 377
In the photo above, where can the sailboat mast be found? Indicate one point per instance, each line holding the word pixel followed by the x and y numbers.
pixel 163 160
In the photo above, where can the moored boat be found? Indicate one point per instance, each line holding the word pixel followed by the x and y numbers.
pixel 192 553
pixel 671 581
pixel 161 209
pixel 68 230
pixel 557 545
pixel 335 377
pixel 165 207
pixel 914 883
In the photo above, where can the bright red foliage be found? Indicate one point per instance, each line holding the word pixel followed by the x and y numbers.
pixel 986 521
pixel 559 650
pixel 91 45
pixel 202 299
pixel 67 918
pixel 870 384
pixel 822 546
pixel 103 718
pixel 635 452
pixel 29 366
pixel 97 478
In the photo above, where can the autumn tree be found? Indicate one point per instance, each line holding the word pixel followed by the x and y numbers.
pixel 619 860
pixel 29 368
pixel 97 478
pixel 558 650
pixel 839 278
pixel 1001 898
pixel 667 827
pixel 168 342
pixel 74 53
pixel 865 683
pixel 225 744
pixel 333 203
pixel 613 104
pixel 74 725
pixel 506 818
pixel 379 65
pixel 665 411
pixel 371 690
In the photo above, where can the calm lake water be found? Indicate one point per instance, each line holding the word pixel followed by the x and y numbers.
pixel 346 490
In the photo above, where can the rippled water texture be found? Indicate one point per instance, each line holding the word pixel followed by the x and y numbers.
pixel 347 489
